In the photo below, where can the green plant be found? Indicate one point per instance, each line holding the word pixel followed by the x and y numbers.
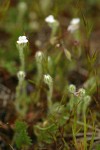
pixel 21 138
pixel 98 147
pixel 57 101
pixel 78 99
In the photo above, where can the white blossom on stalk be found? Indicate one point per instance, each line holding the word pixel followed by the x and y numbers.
pixel 22 40
pixel 50 19
pixel 74 25
pixel 53 24
pixel 75 21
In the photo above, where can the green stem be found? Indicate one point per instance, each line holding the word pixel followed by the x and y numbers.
pixel 50 92
pixel 22 60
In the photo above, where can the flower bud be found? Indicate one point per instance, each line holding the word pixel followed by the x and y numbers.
pixel 72 88
pixel 48 79
pixel 21 75
pixel 87 99
pixel 22 7
pixel 81 92
pixel 39 56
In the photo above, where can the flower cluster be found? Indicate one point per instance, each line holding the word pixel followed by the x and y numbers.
pixel 79 98
pixel 22 40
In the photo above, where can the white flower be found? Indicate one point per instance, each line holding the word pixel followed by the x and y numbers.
pixel 75 21
pixel 22 40
pixel 48 79
pixel 50 19
pixel 74 25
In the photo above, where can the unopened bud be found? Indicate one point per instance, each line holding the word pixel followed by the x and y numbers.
pixel 48 79
pixel 81 92
pixel 72 88
pixel 21 75
pixel 39 56
pixel 87 99
pixel 22 7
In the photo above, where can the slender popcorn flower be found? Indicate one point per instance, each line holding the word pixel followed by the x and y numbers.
pixel 19 88
pixel 22 40
pixel 53 24
pixel 72 88
pixel 21 43
pixel 39 62
pixel 75 21
pixel 50 64
pixel 39 56
pixel 81 92
pixel 21 75
pixel 50 19
pixel 74 25
pixel 48 80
